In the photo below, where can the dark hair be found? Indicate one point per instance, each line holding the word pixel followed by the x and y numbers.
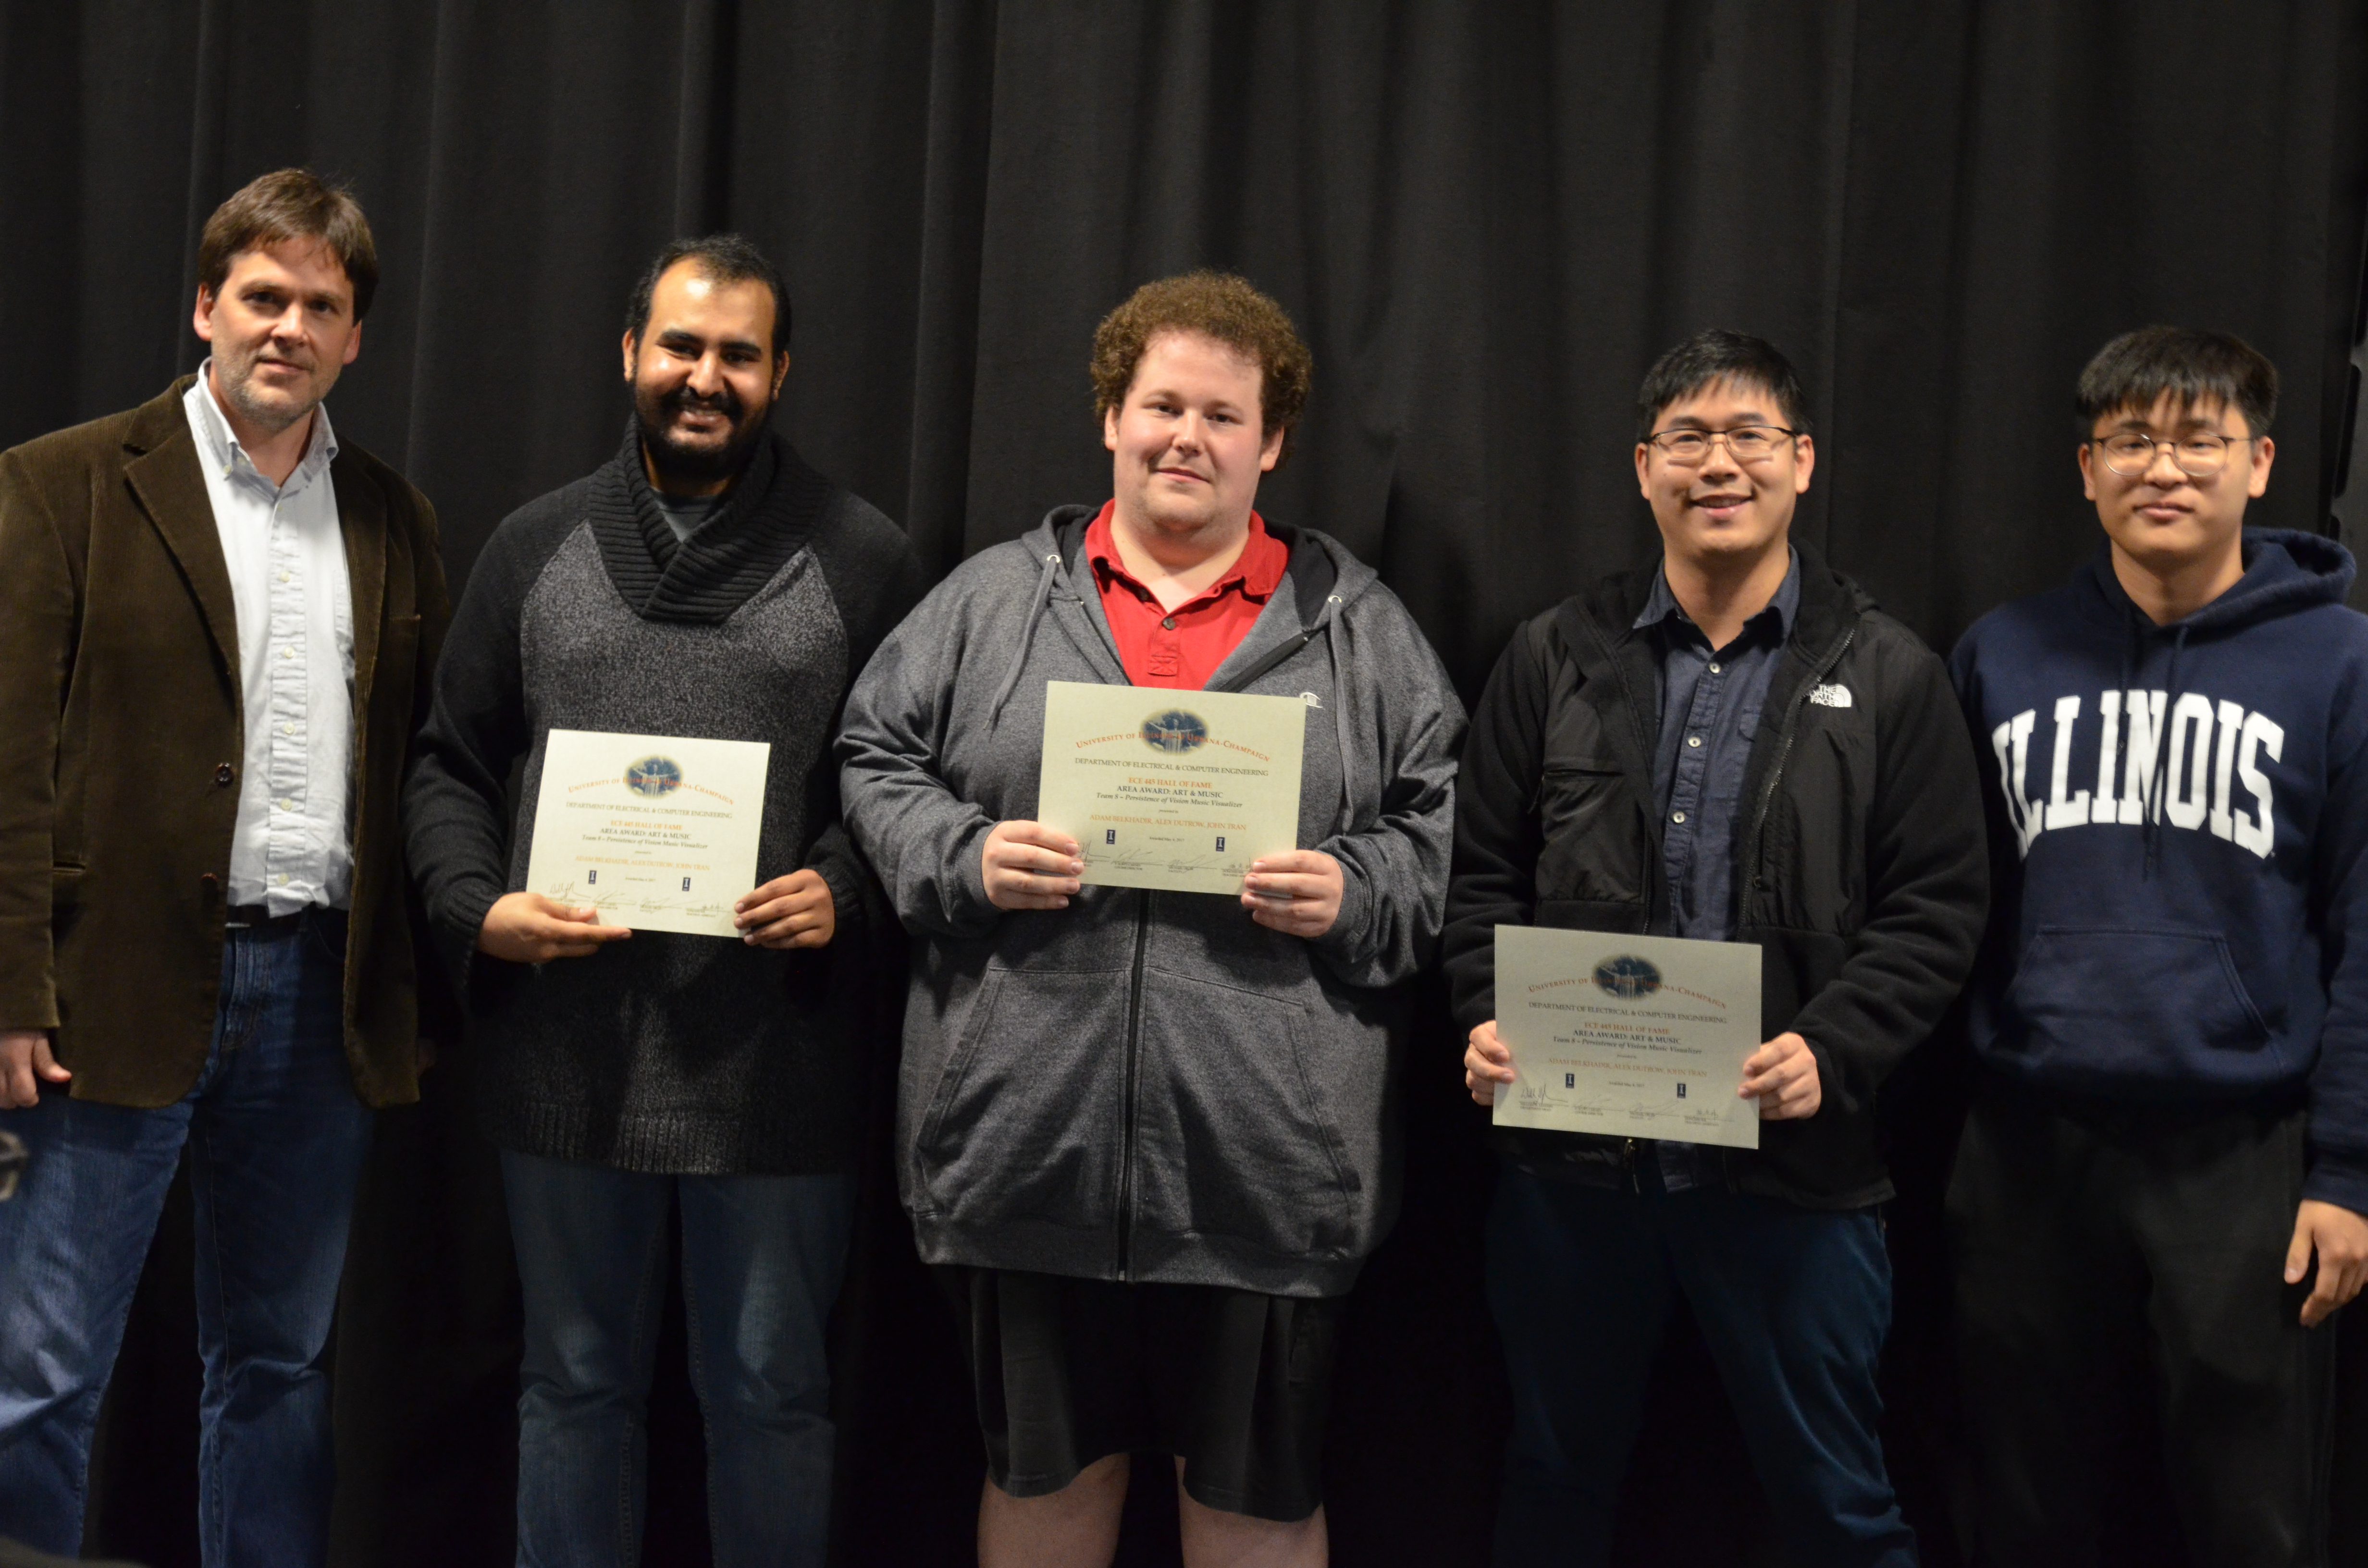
pixel 722 259
pixel 290 204
pixel 2139 369
pixel 1720 355
pixel 1217 305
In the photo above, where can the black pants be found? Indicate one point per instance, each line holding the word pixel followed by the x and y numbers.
pixel 2121 1273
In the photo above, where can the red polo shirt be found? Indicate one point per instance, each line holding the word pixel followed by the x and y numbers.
pixel 1182 647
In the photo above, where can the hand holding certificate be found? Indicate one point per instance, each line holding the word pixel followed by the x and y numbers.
pixel 1637 1037
pixel 1179 790
pixel 660 832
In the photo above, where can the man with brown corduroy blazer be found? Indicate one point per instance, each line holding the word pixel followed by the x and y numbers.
pixel 216 627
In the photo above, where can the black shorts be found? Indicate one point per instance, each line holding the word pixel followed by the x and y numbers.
pixel 1067 1371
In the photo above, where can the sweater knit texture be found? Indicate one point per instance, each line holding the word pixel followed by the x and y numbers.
pixel 664 1053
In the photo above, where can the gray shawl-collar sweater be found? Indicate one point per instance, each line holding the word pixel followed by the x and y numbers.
pixel 693 1055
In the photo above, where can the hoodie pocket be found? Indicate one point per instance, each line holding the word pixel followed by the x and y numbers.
pixel 1231 1142
pixel 1026 1121
pixel 2146 1003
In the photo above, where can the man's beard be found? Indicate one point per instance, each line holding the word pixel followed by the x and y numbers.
pixel 685 468
pixel 235 379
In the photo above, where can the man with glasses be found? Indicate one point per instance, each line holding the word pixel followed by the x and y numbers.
pixel 1733 744
pixel 2173 1122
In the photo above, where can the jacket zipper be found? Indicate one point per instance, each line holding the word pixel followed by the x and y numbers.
pixel 1270 662
pixel 1126 1141
pixel 1792 730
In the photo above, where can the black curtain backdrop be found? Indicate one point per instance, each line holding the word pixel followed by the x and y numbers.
pixel 1487 219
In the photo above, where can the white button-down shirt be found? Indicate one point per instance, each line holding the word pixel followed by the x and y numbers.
pixel 287 561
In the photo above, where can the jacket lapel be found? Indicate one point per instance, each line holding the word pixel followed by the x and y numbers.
pixel 361 520
pixel 171 488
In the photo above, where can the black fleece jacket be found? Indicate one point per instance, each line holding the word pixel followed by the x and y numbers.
pixel 1861 866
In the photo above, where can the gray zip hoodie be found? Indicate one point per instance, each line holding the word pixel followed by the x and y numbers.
pixel 1150 1085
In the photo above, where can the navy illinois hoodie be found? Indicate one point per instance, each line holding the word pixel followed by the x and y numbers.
pixel 2179 908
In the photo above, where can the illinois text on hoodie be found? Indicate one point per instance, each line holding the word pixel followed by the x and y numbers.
pixel 2176 820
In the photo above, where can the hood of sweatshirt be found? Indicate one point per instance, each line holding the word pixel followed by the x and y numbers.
pixel 2285 570
pixel 1324 579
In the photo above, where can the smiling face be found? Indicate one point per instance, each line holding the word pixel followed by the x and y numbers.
pixel 704 375
pixel 281 328
pixel 1186 446
pixel 2164 519
pixel 1722 508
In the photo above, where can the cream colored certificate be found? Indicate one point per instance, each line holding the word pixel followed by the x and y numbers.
pixel 1173 789
pixel 1639 1036
pixel 656 832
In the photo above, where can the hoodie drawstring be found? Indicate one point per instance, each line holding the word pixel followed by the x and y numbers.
pixel 2159 788
pixel 1332 625
pixel 1327 622
pixel 1027 636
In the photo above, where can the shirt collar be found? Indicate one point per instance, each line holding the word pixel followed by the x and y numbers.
pixel 1257 571
pixel 221 448
pixel 1661 603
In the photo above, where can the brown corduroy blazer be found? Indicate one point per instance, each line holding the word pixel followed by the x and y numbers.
pixel 119 716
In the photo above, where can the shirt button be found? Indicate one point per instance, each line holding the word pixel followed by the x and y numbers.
pixel 1691 740
pixel 281 881
pixel 287 804
pixel 1677 816
pixel 284 576
pixel 1168 623
pixel 291 728
pixel 290 652
pixel 223 775
pixel 1713 668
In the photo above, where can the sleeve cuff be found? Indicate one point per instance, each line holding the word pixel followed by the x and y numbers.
pixel 1346 939
pixel 462 917
pixel 2338 1178
pixel 831 862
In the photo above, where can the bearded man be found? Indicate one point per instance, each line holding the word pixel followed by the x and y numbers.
pixel 703 582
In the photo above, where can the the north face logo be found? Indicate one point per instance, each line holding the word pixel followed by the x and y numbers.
pixel 1831 697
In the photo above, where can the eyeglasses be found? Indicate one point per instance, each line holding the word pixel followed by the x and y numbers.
pixel 2199 454
pixel 1745 443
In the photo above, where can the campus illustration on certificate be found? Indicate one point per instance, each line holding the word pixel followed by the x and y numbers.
pixel 1179 790
pixel 1637 1037
pixel 658 832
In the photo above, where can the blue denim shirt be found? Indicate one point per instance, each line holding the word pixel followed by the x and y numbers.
pixel 1711 700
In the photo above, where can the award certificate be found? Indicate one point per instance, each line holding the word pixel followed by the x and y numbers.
pixel 1639 1036
pixel 1173 789
pixel 657 832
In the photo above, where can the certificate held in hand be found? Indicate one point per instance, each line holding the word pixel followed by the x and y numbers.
pixel 1638 1037
pixel 657 832
pixel 1179 790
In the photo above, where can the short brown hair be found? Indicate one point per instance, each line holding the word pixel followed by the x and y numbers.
pixel 290 204
pixel 1216 305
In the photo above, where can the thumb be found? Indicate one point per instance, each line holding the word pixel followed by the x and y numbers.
pixel 2298 1251
pixel 47 1065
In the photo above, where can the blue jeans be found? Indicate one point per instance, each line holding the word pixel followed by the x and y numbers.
pixel 276 1142
pixel 1794 1304
pixel 761 1262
